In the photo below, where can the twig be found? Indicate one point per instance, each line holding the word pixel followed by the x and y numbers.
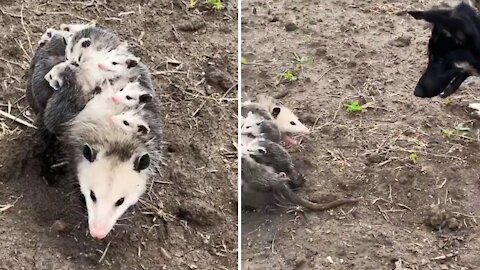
pixel 11 117
pixel 25 29
pixel 105 252
pixel 12 62
pixel 444 257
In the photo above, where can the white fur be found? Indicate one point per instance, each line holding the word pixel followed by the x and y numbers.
pixel 251 124
pixel 130 93
pixel 467 67
pixel 53 77
pixel 110 180
pixel 254 147
pixel 288 122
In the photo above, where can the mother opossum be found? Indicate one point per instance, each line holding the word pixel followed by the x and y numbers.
pixel 112 166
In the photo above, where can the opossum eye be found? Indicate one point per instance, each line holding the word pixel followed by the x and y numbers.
pixel 293 123
pixel 79 58
pixel 86 43
pixel 248 127
pixel 49 34
pixel 119 202
pixel 125 123
pixel 275 112
pixel 114 63
pixel 129 97
pixel 67 29
pixel 261 151
pixel 92 196
pixel 121 90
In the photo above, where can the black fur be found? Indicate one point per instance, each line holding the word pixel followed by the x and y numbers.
pixel 455 39
pixel 65 103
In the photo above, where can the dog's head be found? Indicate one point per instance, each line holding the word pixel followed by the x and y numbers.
pixel 453 50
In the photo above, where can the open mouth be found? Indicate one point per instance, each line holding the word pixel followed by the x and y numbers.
pixel 454 84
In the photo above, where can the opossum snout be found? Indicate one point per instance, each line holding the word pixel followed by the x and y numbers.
pixel 114 100
pixel 98 232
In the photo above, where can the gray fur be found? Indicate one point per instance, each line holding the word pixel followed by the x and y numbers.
pixel 255 109
pixel 47 56
pixel 280 160
pixel 260 185
pixel 65 103
pixel 101 39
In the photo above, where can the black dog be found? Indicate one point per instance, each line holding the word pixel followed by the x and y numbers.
pixel 453 50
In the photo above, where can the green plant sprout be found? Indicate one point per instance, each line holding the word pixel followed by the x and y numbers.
pixel 243 61
pixel 413 158
pixel 216 4
pixel 193 3
pixel 288 76
pixel 353 107
pixel 459 131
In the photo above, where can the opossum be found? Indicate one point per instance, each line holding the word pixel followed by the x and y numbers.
pixel 258 178
pixel 257 127
pixel 112 168
pixel 274 155
pixel 132 121
pixel 93 72
pixel 283 117
pixel 133 93
pixel 255 108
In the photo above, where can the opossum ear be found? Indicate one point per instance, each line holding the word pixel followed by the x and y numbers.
pixel 143 129
pixel 142 162
pixel 89 153
pixel 131 63
pixel 145 98
pixel 275 112
pixel 97 90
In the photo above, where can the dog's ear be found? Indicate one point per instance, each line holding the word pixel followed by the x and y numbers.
pixel 431 16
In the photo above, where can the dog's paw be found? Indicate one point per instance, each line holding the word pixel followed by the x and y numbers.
pixel 54 76
pixel 474 109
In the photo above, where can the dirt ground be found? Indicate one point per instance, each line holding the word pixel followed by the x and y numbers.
pixel 188 219
pixel 413 161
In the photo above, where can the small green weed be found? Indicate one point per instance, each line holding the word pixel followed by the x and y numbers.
pixel 353 107
pixel 413 158
pixel 288 76
pixel 216 4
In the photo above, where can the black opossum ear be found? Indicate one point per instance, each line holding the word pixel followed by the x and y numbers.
pixel 86 43
pixel 143 129
pixel 89 153
pixel 66 28
pixel 142 162
pixel 97 90
pixel 145 98
pixel 276 112
pixel 131 63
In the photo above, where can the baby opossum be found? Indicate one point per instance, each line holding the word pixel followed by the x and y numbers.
pixel 47 36
pixel 132 121
pixel 255 126
pixel 255 108
pixel 260 178
pixel 274 155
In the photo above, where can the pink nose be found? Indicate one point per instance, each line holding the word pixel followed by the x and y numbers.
pixel 98 233
pixel 114 100
pixel 102 67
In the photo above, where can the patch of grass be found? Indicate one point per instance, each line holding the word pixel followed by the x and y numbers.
pixel 193 3
pixel 288 76
pixel 216 4
pixel 459 131
pixel 353 107
pixel 243 61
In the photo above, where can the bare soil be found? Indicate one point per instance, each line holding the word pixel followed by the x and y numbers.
pixel 188 218
pixel 416 172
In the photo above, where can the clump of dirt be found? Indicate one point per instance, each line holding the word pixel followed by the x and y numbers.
pixel 187 219
pixel 401 154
